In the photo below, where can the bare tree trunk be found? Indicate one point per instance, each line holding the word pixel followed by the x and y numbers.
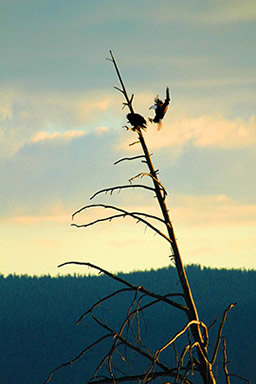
pixel 192 314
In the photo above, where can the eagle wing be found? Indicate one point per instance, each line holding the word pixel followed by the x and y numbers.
pixel 167 99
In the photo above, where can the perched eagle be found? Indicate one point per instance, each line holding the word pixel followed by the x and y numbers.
pixel 160 108
pixel 136 120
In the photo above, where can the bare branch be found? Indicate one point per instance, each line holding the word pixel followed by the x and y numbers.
pixel 125 213
pixel 132 346
pixel 212 324
pixel 120 187
pixel 107 359
pixel 129 158
pixel 100 302
pixel 240 377
pixel 220 332
pixel 77 357
pixel 108 218
pixel 139 377
pixel 176 353
pixel 134 142
pixel 129 101
pixel 120 90
pixel 178 334
pixel 205 334
pixel 120 280
pixel 225 362
pixel 141 174
pixel 114 347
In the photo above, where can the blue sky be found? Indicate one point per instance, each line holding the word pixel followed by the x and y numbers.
pixel 61 130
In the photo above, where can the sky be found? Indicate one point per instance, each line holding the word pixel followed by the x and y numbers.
pixel 61 130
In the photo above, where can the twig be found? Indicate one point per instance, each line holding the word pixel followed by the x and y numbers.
pixel 225 362
pixel 178 334
pixel 141 174
pixel 100 302
pixel 119 187
pixel 133 143
pixel 220 332
pixel 119 210
pixel 187 348
pixel 176 353
pixel 157 353
pixel 77 357
pixel 212 324
pixel 109 356
pixel 129 158
pixel 166 370
pixel 240 377
pixel 123 90
pixel 130 345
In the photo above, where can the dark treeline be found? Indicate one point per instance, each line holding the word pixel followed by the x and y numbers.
pixel 38 316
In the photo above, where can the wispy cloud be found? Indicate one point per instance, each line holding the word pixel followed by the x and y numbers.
pixel 101 130
pixel 207 12
pixel 212 210
pixel 51 212
pixel 230 12
pixel 29 220
pixel 68 135
pixel 42 115
pixel 203 131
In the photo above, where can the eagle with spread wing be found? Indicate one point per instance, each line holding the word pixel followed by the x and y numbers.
pixel 160 108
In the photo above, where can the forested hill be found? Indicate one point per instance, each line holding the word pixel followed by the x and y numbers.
pixel 38 316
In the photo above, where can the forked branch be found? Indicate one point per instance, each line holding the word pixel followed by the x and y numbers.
pixel 141 174
pixel 123 90
pixel 135 216
pixel 220 332
pixel 166 371
pixel 128 284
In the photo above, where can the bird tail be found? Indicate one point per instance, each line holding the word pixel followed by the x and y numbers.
pixel 159 125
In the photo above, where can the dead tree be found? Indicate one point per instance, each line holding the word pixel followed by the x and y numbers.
pixel 193 364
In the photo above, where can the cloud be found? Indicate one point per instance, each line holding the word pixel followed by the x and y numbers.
pixel 212 210
pixel 6 96
pixel 29 220
pixel 202 210
pixel 202 132
pixel 41 115
pixel 207 12
pixel 50 212
pixel 101 130
pixel 68 135
pixel 236 11
pixel 212 230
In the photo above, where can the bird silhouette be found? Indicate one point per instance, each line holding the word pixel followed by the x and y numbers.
pixel 136 120
pixel 160 108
